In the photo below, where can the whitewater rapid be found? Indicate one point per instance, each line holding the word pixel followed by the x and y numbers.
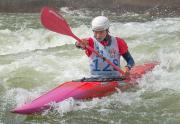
pixel 34 60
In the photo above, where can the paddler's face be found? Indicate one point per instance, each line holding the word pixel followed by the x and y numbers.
pixel 100 35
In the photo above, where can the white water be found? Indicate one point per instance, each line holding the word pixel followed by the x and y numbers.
pixel 34 60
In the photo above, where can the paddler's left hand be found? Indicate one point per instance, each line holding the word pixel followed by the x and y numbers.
pixel 126 71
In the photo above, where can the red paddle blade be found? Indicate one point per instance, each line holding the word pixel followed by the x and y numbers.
pixel 54 21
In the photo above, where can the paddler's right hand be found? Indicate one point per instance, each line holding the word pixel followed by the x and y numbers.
pixel 82 44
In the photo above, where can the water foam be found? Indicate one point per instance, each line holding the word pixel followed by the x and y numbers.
pixel 156 40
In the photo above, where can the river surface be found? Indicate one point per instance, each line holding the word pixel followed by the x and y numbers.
pixel 34 60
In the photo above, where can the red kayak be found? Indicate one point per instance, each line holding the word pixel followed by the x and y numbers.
pixel 85 88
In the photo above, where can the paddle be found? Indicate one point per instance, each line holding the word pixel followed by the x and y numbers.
pixel 56 23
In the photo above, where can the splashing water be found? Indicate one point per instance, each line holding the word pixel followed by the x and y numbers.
pixel 34 60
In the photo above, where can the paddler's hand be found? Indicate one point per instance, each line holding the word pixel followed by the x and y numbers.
pixel 126 71
pixel 82 44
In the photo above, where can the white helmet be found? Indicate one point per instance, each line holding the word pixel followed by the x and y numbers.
pixel 100 23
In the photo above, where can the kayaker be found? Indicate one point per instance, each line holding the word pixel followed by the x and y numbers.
pixel 109 46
